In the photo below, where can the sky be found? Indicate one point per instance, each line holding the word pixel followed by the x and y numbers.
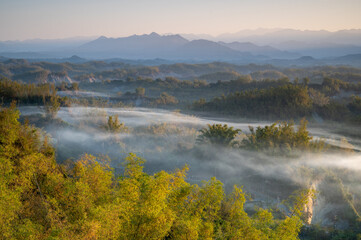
pixel 50 19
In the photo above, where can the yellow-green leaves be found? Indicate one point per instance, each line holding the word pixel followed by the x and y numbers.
pixel 40 199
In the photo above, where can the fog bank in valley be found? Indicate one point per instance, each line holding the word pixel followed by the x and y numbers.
pixel 167 140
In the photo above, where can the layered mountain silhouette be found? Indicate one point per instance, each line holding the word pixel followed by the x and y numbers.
pixel 254 49
pixel 147 42
pixel 318 44
pixel 156 46
pixel 242 47
pixel 278 36
pixel 176 47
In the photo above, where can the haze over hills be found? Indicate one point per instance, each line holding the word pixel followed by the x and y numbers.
pixel 157 46
pixel 32 45
pixel 136 46
pixel 277 35
pixel 244 46
pixel 267 51
pixel 315 43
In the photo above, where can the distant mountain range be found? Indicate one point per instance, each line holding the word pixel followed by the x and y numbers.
pixel 157 46
pixel 261 45
pixel 142 45
pixel 315 43
pixel 254 49
pixel 175 47
pixel 277 36
pixel 43 45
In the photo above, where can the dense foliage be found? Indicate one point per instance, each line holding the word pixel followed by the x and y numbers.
pixel 113 125
pixel 287 101
pixel 281 137
pixel 24 93
pixel 40 199
pixel 218 134
pixel 43 94
pixel 277 138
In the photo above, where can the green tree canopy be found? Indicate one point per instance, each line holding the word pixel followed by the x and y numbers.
pixel 218 134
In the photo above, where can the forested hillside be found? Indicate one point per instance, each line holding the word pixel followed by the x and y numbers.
pixel 41 199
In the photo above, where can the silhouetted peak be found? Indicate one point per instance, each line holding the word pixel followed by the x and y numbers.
pixel 154 34
pixel 306 58
pixel 75 57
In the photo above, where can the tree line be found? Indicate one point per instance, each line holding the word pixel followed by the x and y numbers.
pixel 290 101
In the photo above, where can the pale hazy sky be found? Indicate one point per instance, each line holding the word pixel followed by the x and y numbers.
pixel 27 19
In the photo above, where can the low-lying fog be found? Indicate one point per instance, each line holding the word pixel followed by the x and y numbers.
pixel 166 140
pixel 137 117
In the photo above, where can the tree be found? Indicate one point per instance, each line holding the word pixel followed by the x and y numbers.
pixel 306 81
pixel 355 105
pixel 281 138
pixel 140 91
pixel 27 166
pixel 52 106
pixel 318 98
pixel 62 86
pixel 166 99
pixel 113 125
pixel 75 86
pixel 218 134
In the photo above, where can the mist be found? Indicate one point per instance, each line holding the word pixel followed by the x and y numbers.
pixel 197 91
pixel 167 140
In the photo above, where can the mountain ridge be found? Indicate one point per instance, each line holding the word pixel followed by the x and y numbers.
pixel 290 44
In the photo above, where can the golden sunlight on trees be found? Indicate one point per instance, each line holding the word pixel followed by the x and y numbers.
pixel 40 199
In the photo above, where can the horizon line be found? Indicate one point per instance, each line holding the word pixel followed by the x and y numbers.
pixel 169 34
